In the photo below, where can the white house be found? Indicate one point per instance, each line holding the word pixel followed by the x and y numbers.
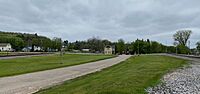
pixel 26 49
pixel 108 50
pixel 86 50
pixel 5 47
pixel 37 48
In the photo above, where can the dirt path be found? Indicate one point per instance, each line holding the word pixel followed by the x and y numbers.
pixel 32 82
pixel 181 81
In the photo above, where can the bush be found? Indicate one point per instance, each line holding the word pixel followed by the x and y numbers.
pixel 183 49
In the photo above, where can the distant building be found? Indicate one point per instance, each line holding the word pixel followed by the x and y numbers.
pixel 108 50
pixel 35 48
pixel 76 51
pixel 86 50
pixel 52 50
pixel 26 49
pixel 5 47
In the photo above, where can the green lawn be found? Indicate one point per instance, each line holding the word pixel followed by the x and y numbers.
pixel 130 77
pixel 38 63
pixel 4 53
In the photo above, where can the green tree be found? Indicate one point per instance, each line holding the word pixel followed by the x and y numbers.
pixel 45 43
pixel 120 46
pixel 56 43
pixel 198 46
pixel 171 49
pixel 182 49
pixel 155 47
pixel 95 44
pixel 66 42
pixel 148 45
pixel 106 42
pixel 16 42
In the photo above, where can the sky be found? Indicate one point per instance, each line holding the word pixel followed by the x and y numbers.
pixel 107 19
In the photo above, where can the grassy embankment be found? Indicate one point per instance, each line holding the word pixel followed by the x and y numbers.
pixel 132 76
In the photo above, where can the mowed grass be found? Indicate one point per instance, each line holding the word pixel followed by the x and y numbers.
pixel 132 76
pixel 4 53
pixel 17 66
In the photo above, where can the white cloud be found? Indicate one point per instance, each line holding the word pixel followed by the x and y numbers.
pixel 111 19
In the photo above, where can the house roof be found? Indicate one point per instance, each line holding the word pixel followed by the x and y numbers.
pixel 4 44
pixel 109 46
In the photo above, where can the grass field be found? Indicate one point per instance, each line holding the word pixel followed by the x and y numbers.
pixel 37 63
pixel 4 53
pixel 130 77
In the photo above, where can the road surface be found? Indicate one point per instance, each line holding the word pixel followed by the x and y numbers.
pixel 32 82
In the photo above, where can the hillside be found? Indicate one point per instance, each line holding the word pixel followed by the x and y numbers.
pixel 21 40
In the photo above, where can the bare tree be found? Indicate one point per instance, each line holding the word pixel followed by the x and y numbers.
pixel 182 36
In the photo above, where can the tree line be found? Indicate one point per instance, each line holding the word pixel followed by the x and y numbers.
pixel 139 46
pixel 96 45
pixel 21 40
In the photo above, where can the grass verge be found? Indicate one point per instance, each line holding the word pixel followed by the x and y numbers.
pixel 132 76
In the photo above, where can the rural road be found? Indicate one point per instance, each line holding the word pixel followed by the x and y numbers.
pixel 32 82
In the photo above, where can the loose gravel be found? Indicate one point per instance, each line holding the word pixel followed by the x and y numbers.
pixel 181 81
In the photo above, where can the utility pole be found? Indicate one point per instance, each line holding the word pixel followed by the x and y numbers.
pixel 176 44
pixel 138 48
pixel 61 53
pixel 189 47
pixel 166 47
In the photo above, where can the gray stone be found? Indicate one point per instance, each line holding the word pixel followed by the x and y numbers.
pixel 181 81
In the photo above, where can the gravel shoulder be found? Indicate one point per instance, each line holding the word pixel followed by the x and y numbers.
pixel 181 81
pixel 33 82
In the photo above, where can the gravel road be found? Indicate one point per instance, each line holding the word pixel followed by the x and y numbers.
pixel 32 82
pixel 181 81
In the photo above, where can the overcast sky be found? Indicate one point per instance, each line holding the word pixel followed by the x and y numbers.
pixel 108 19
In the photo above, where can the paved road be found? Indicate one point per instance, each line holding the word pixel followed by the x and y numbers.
pixel 178 56
pixel 32 82
pixel 184 57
